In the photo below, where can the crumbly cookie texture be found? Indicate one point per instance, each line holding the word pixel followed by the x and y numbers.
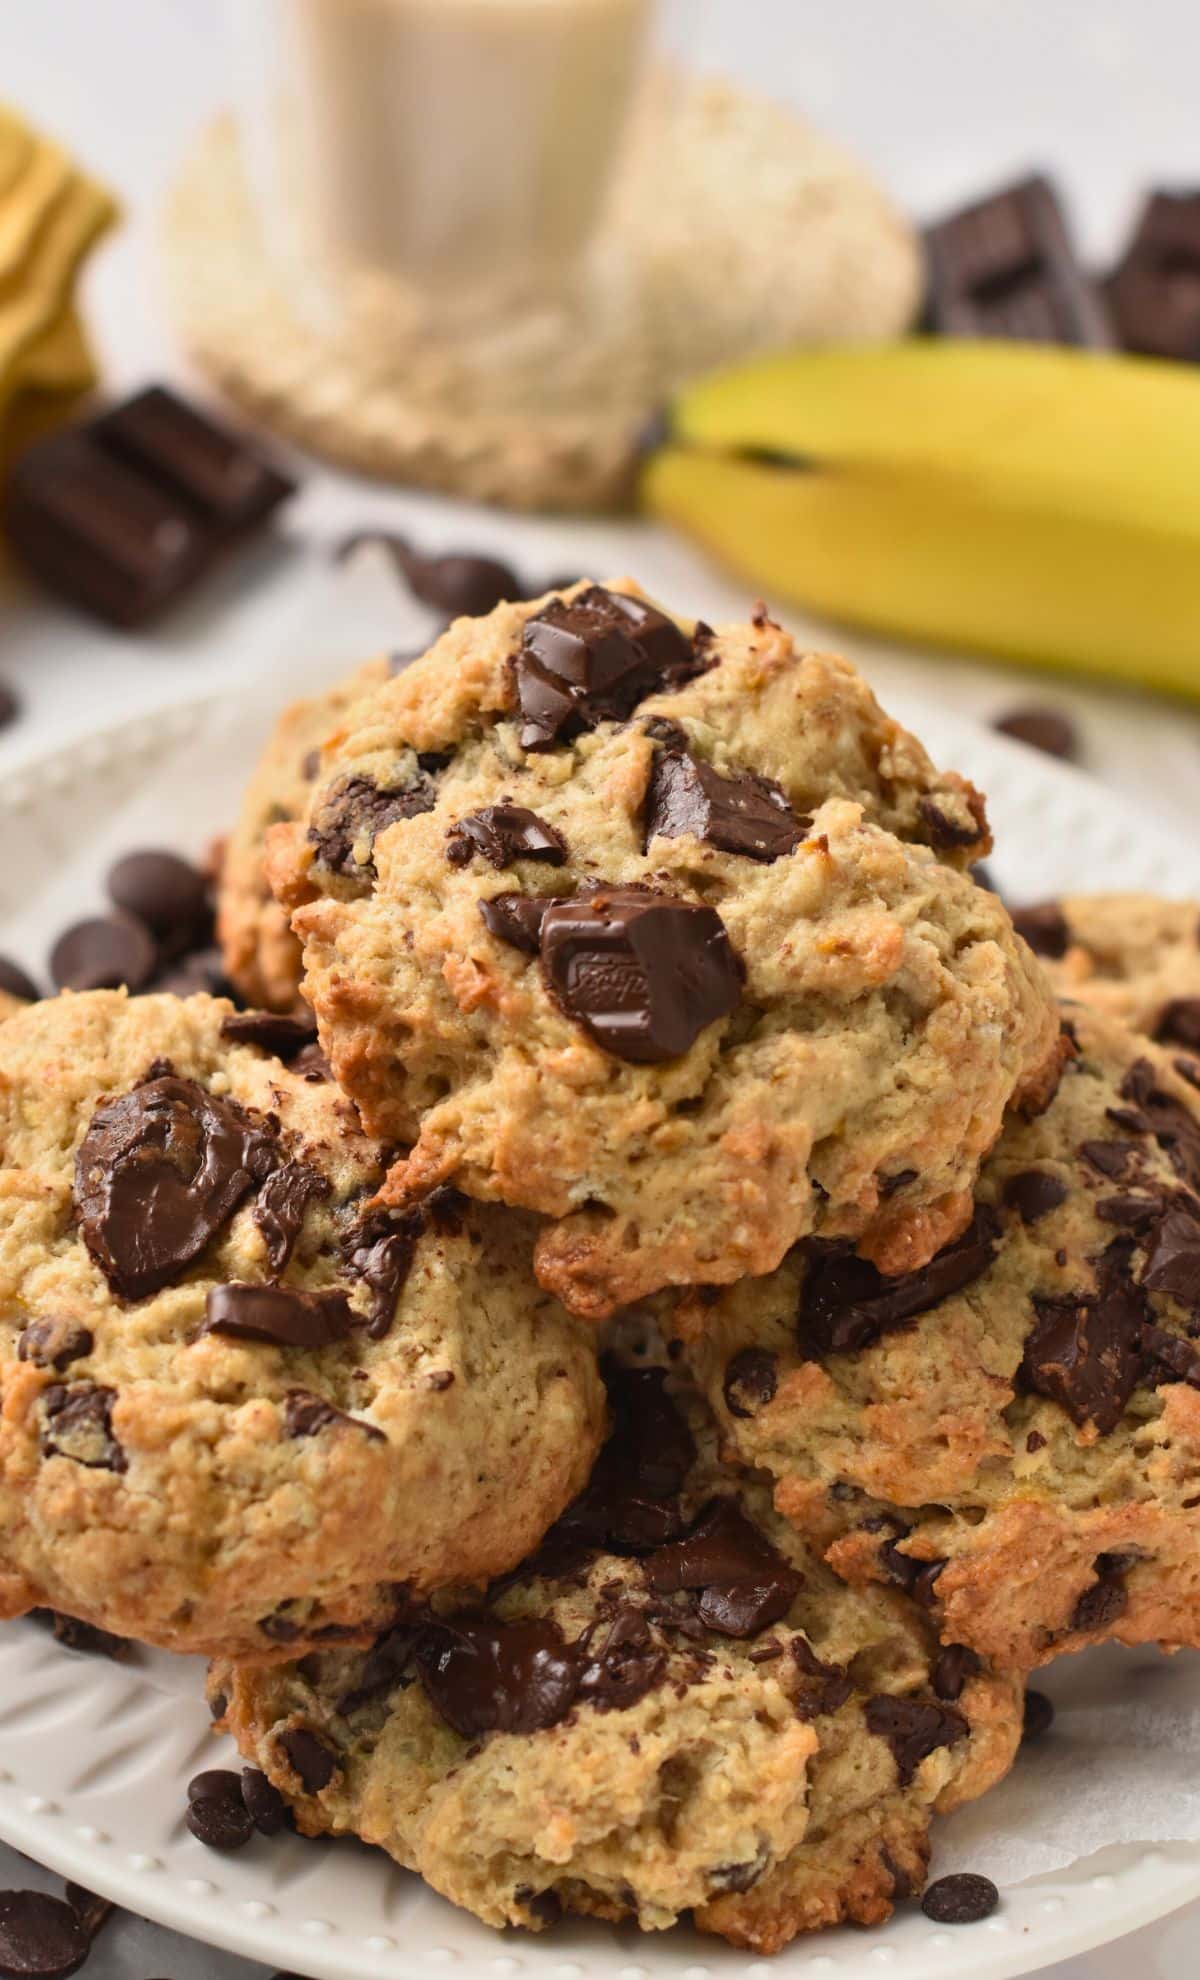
pixel 1133 956
pixel 660 931
pixel 260 954
pixel 674 1705
pixel 1013 1432
pixel 240 1407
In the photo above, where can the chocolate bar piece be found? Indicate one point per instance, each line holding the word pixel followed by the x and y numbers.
pixel 1005 267
pixel 125 513
pixel 1154 291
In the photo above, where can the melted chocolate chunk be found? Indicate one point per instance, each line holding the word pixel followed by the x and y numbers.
pixel 306 1415
pixel 1109 1158
pixel 78 1421
pixel 280 1315
pixel 489 1676
pixel 308 1757
pixel 824 1687
pixel 954 1665
pixel 751 1378
pixel 379 1251
pixel 388 1666
pixel 158 1173
pixel 750 815
pixel 1084 1351
pixel 643 973
pixel 40 1936
pixel 745 1584
pixel 1044 927
pixel 630 1504
pixel 503 833
pixel 1172 1263
pixel 355 813
pixel 1033 1194
pixel 618 1661
pixel 913 1729
pixel 275 1033
pixel 945 832
pixel 591 660
pixel 280 1207
pixel 960 1899
pixel 516 919
pixel 846 1304
pixel 54 1343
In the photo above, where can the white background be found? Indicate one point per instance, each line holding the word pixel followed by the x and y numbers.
pixel 941 97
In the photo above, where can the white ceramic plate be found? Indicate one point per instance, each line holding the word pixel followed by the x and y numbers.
pixel 94 1757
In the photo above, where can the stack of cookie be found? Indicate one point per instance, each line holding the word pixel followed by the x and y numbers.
pixel 627 1408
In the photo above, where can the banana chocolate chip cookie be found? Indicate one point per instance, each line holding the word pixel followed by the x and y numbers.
pixel 1132 955
pixel 260 954
pixel 661 932
pixel 239 1405
pixel 1012 1432
pixel 673 1705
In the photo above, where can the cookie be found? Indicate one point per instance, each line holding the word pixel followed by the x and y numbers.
pixel 1132 955
pixel 261 956
pixel 660 932
pixel 1013 1431
pixel 239 1406
pixel 673 1705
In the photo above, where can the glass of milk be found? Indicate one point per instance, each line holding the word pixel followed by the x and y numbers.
pixel 460 149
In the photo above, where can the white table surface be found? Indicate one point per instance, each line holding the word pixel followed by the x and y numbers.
pixel 942 97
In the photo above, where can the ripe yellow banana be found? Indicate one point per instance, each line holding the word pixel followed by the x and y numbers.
pixel 1038 503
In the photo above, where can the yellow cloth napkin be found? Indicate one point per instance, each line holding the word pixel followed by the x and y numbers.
pixel 50 215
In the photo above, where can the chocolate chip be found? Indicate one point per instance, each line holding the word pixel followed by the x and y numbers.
pixel 846 1304
pixel 311 1064
pixel 1130 1211
pixel 503 833
pixel 214 1784
pixel 592 660
pixel 458 582
pixel 40 1936
pixel 630 1504
pixel 280 1207
pixel 106 953
pixel 84 1637
pixel 356 811
pixel 275 1033
pixel 913 1729
pixel 516 919
pixel 1035 1442
pixel 306 1415
pixel 1047 729
pixel 158 1173
pixel 1100 1605
pixel 1173 1124
pixel 379 1251
pixel 961 1899
pixel 280 1315
pixel 1172 1263
pixel 1038 1717
pixel 166 894
pixel 1044 927
pixel 201 974
pixel 953 1666
pixel 750 1381
pixel 217 1815
pixel 489 1676
pixel 54 1343
pixel 745 1584
pixel 736 1876
pixel 643 973
pixel 618 1663
pixel 1109 1158
pixel 945 830
pixel 92 1912
pixel 308 1757
pixel 824 1687
pixel 78 1425
pixel 17 984
pixel 264 1804
pixel 1033 1194
pixel 1179 1023
pixel 746 814
pixel 1084 1350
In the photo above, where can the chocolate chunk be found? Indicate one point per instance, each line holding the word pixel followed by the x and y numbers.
pixel 79 1426
pixel 16 983
pixel 54 1343
pixel 275 1033
pixel 1154 291
pixel 1100 1605
pixel 1038 1717
pixel 846 1304
pixel 387 1667
pixel 108 952
pixel 92 1912
pixel 459 583
pixel 280 1315
pixel 751 1378
pixel 379 1251
pixel 489 1676
pixel 1171 1356
pixel 745 1584
pixel 158 1173
pixel 643 973
pixel 1109 1158
pixel 630 1504
pixel 311 1064
pixel 1005 267
pixel 306 1415
pixel 945 831
pixel 280 1207
pixel 1173 1124
pixel 618 1663
pixel 954 1665
pixel 217 1815
pixel 40 1936
pixel 913 1729
pixel 308 1757
pixel 165 893
pixel 1047 729
pixel 823 1687
pixel 356 812
pixel 503 833
pixel 84 1637
pixel 516 919
pixel 1084 1350
pixel 591 660
pixel 1172 1262
pixel 1133 1212
pixel 961 1899
pixel 1179 1023
pixel 1033 1194
pixel 1044 927
pixel 746 814
pixel 264 1804
pixel 188 454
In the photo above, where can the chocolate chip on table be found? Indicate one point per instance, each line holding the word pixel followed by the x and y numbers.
pixel 16 983
pixel 503 833
pixel 84 1637
pixel 744 1584
pixel 40 1936
pixel 1154 291
pixel 592 659
pixel 1178 1023
pixel 913 1728
pixel 1006 267
pixel 264 1803
pixel 745 814
pixel 1033 1194
pixel 643 973
pixel 308 1757
pixel 107 952
pixel 961 1899
pixel 846 1304
pixel 1047 729
pixel 1044 927
pixel 1084 1350
pixel 158 1173
pixel 516 919
pixel 276 1033
pixel 1039 1716
pixel 217 1814
pixel 202 973
pixel 280 1315
pixel 165 893
pixel 460 583
pixel 92 1912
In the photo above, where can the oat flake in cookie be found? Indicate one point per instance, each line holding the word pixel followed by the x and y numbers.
pixel 663 933
pixel 243 1409
pixel 1013 1431
pixel 673 1705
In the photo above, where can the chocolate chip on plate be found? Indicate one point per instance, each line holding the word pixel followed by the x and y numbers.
pixel 14 980
pixel 107 952
pixel 458 582
pixel 264 1803
pixel 202 973
pixel 40 1936
pixel 1047 729
pixel 217 1814
pixel 592 659
pixel 1039 1716
pixel 502 833
pixel 962 1899
pixel 161 890
pixel 280 1315
pixel 745 814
